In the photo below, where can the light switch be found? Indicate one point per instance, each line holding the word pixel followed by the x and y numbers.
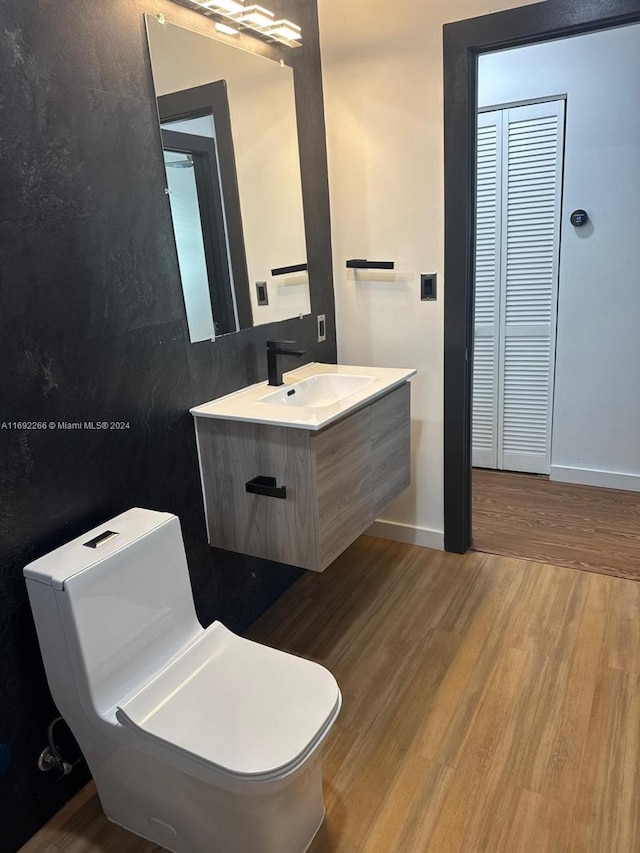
pixel 428 286
pixel 262 293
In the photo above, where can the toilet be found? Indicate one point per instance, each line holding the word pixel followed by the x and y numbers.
pixel 197 739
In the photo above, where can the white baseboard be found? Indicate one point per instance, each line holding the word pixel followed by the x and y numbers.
pixel 412 535
pixel 592 477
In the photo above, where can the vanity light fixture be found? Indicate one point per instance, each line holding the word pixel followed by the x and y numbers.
pixel 233 16
pixel 227 7
pixel 226 29
pixel 256 16
pixel 285 30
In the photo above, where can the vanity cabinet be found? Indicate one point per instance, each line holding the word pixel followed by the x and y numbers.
pixel 337 480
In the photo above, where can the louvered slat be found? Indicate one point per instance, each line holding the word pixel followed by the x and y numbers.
pixel 484 382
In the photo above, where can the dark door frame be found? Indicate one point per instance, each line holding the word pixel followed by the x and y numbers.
pixel 464 41
pixel 213 99
pixel 202 151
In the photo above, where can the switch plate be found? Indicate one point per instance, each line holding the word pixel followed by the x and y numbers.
pixel 322 328
pixel 262 294
pixel 429 286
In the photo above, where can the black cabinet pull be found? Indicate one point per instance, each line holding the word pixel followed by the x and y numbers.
pixel 266 486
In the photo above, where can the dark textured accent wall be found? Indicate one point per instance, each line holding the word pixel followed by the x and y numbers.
pixel 92 328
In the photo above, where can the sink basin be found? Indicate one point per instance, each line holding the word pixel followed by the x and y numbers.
pixel 324 389
pixel 312 397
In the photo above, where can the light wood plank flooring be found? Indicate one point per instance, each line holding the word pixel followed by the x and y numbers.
pixel 490 704
pixel 584 527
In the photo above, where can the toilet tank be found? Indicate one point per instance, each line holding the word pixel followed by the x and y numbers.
pixel 123 606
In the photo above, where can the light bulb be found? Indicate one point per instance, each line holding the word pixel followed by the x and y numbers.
pixel 231 7
pixel 285 30
pixel 257 16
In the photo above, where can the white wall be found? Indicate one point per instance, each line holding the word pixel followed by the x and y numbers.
pixel 382 72
pixel 596 421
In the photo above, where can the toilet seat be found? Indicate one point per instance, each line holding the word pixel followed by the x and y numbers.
pixel 250 711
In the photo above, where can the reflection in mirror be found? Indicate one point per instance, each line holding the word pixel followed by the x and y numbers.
pixel 229 136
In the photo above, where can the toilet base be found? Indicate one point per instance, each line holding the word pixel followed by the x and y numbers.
pixel 308 847
pixel 311 840
pixel 184 814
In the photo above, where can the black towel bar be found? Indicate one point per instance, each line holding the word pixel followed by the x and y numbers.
pixel 362 264
pixel 287 270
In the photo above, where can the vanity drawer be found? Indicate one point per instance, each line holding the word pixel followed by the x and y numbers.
pixel 231 454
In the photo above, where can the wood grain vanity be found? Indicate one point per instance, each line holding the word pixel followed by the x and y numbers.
pixel 324 487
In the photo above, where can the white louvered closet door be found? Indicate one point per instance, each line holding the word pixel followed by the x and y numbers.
pixel 486 350
pixel 526 286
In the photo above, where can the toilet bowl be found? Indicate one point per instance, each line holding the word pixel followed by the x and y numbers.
pixel 197 739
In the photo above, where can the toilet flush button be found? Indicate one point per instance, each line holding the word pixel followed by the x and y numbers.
pixel 162 831
pixel 101 539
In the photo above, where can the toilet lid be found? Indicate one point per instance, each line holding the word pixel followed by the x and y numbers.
pixel 248 709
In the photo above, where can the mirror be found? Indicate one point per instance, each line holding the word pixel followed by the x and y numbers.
pixel 230 143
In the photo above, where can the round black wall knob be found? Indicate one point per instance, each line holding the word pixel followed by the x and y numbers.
pixel 579 217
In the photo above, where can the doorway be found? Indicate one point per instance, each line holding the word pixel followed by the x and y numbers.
pixel 523 217
pixel 199 224
pixel 200 165
pixel 465 42
pixel 520 152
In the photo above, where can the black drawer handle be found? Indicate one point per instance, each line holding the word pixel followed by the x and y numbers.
pixel 266 486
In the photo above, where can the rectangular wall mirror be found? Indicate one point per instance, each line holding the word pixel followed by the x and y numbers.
pixel 230 143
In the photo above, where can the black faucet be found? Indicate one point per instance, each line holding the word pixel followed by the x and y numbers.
pixel 274 349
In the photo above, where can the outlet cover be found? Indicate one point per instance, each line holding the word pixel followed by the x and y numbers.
pixel 429 286
pixel 262 294
pixel 322 328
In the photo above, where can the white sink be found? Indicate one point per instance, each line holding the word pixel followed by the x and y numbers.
pixel 311 398
pixel 324 389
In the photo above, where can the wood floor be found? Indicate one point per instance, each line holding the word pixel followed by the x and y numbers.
pixel 490 704
pixel 584 527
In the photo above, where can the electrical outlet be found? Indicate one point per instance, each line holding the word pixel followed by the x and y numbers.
pixel 322 328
